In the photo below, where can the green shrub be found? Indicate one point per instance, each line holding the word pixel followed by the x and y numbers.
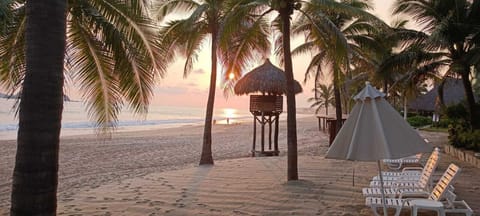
pixel 460 136
pixel 443 123
pixel 419 121
pixel 457 112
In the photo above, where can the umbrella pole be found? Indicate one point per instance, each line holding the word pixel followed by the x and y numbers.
pixel 382 188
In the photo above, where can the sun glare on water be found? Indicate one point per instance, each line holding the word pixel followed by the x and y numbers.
pixel 229 115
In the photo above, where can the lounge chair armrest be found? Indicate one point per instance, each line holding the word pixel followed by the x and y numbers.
pixel 419 194
pixel 412 169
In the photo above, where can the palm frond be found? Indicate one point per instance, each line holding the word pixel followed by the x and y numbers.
pixel 247 43
pixel 136 27
pixel 12 52
pixel 165 7
pixel 92 66
pixel 305 48
pixel 315 66
pixel 6 14
pixel 133 67
pixel 193 46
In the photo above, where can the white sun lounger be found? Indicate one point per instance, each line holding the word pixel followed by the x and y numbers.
pixel 396 164
pixel 433 202
pixel 412 172
pixel 410 181
pixel 395 188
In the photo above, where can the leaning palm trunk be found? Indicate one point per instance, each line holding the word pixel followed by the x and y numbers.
pixel 35 177
pixel 338 101
pixel 470 100
pixel 292 172
pixel 206 157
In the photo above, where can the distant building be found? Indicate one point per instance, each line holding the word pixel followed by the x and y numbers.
pixel 453 93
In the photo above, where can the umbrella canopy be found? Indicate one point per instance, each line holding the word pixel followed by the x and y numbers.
pixel 374 131
pixel 266 78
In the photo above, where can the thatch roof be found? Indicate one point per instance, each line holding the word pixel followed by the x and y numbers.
pixel 453 93
pixel 267 79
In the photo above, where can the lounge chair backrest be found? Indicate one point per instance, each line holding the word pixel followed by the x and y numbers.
pixel 429 168
pixel 442 186
pixel 433 159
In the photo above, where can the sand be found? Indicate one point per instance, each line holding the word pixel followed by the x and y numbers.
pixel 155 173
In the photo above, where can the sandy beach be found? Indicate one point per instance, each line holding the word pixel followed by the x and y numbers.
pixel 155 173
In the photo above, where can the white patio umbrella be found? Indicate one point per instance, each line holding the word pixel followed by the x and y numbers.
pixel 374 131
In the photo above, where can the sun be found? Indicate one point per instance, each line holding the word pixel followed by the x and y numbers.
pixel 231 76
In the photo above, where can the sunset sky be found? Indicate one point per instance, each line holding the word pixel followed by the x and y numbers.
pixel 174 90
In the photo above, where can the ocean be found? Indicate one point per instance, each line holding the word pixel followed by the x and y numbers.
pixel 75 120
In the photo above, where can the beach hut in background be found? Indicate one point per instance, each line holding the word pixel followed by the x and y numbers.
pixel 269 83
pixel 429 103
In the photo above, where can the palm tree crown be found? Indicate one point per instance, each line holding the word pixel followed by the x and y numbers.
pixel 323 98
pixel 112 54
pixel 453 27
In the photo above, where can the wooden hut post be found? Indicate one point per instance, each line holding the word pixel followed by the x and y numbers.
pixel 263 132
pixel 276 134
pixel 269 132
pixel 254 134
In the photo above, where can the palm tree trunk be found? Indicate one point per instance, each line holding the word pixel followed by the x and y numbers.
pixel 292 171
pixel 405 108
pixel 338 101
pixel 35 176
pixel 206 157
pixel 326 108
pixel 467 85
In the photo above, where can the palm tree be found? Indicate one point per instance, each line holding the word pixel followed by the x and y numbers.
pixel 34 185
pixel 210 18
pixel 452 26
pixel 329 35
pixel 393 57
pixel 109 48
pixel 323 98
pixel 285 9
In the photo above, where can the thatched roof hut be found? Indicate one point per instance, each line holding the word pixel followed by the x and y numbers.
pixel 453 93
pixel 267 79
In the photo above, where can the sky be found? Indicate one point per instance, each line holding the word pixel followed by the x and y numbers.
pixel 175 90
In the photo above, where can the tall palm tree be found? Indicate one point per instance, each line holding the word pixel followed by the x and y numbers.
pixel 258 9
pixel 452 25
pixel 110 51
pixel 285 9
pixel 329 36
pixel 34 186
pixel 211 18
pixel 323 98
